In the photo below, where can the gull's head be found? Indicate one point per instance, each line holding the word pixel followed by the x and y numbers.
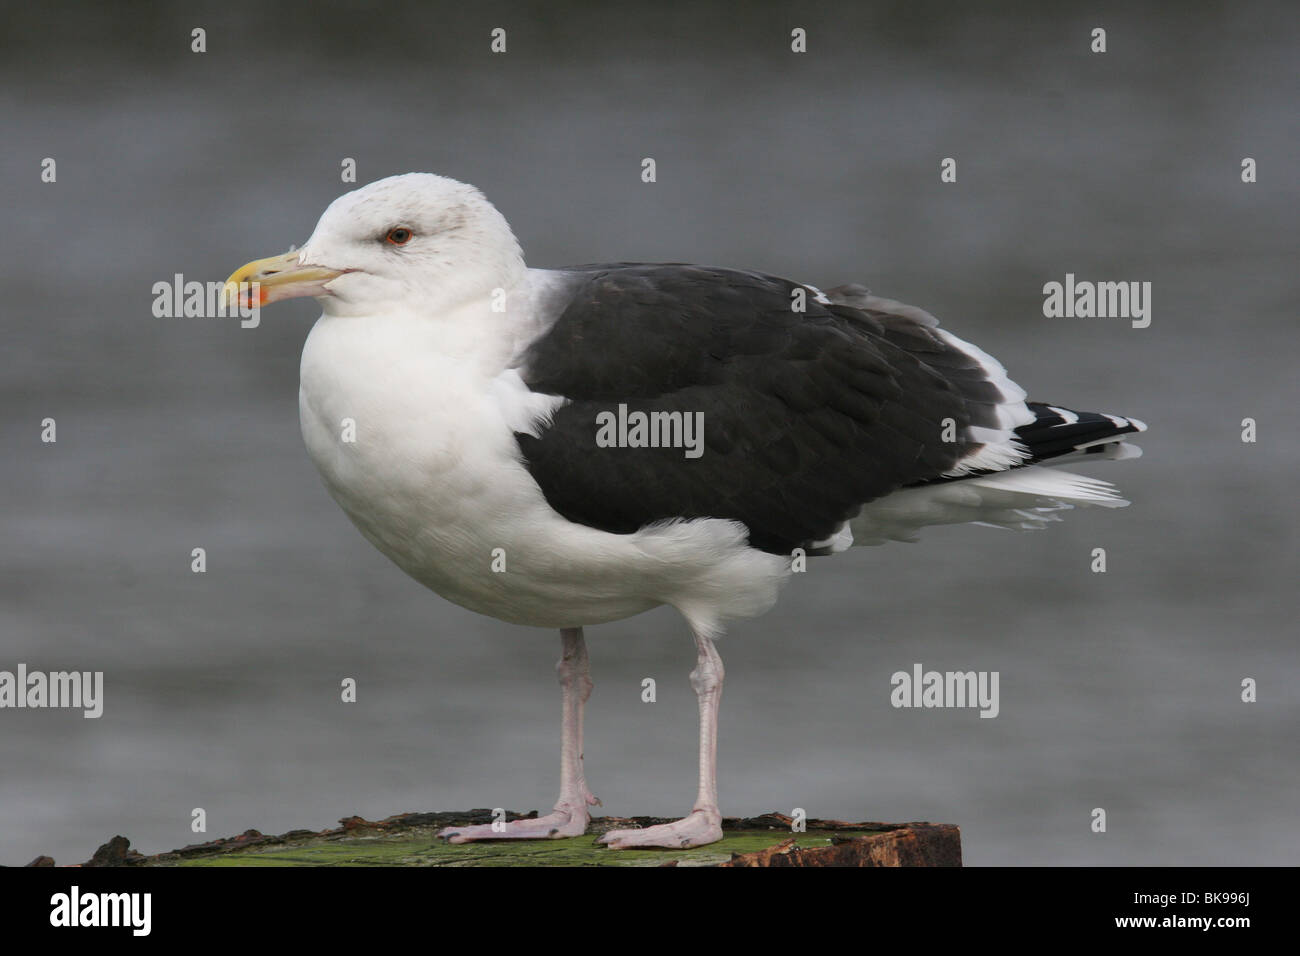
pixel 415 240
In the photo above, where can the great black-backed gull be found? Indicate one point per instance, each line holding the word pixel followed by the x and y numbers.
pixel 567 447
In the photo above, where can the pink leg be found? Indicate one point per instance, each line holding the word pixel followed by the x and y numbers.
pixel 704 824
pixel 570 816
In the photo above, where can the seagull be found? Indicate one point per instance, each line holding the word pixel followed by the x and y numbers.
pixel 561 448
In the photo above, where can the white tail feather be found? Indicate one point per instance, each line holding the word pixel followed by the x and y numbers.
pixel 1024 499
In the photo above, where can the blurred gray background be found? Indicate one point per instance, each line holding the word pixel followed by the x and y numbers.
pixel 1119 690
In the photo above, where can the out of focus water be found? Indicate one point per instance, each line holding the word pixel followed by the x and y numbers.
pixel 1119 690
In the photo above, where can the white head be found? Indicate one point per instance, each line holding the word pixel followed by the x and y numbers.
pixel 417 239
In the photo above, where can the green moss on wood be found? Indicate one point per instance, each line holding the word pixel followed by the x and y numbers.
pixel 416 848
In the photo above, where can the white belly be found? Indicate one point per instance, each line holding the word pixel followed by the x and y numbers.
pixel 418 449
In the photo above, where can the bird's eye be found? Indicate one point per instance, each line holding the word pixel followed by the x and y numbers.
pixel 399 236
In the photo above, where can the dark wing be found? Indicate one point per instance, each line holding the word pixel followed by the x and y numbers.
pixel 1057 432
pixel 806 415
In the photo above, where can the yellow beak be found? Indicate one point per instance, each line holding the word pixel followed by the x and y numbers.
pixel 264 281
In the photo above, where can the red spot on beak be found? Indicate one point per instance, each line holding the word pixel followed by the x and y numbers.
pixel 252 296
